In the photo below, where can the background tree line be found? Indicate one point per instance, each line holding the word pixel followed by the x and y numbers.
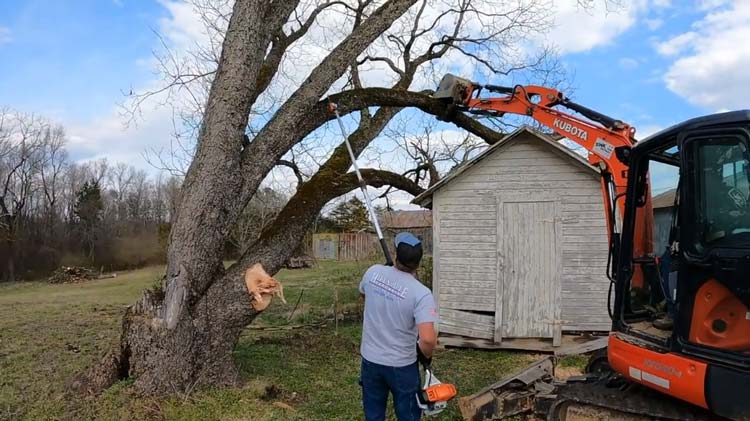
pixel 55 211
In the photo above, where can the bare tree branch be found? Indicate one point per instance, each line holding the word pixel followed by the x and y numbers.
pixel 294 168
pixel 385 60
pixel 276 137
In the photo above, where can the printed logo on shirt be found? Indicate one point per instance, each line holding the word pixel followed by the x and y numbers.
pixel 388 289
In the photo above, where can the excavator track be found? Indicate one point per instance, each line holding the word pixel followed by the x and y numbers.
pixel 534 394
pixel 629 401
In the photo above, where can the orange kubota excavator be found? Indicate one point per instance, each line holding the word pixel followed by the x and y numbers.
pixel 697 368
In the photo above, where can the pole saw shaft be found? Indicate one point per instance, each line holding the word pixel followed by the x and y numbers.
pixel 363 187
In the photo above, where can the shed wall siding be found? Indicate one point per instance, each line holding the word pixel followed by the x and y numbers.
pixel 466 227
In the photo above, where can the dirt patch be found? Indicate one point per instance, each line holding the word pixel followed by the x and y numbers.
pixel 283 405
pixel 272 392
pixel 562 373
pixel 99 377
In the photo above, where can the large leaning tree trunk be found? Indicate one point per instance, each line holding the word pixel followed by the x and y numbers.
pixel 183 335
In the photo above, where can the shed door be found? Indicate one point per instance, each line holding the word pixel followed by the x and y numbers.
pixel 528 270
pixel 325 246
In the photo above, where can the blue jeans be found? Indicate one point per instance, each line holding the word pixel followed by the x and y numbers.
pixel 403 383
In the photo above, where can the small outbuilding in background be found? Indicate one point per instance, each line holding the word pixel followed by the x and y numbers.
pixel 519 246
pixel 417 222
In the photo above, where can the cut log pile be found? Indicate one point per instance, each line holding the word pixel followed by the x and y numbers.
pixel 72 275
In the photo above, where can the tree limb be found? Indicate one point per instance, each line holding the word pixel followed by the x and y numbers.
pixel 294 167
pixel 306 203
pixel 284 233
pixel 379 178
pixel 357 99
pixel 282 42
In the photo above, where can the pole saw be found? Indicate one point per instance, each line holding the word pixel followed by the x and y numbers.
pixel 362 186
pixel 434 396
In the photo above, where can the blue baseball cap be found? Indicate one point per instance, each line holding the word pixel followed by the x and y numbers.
pixel 407 238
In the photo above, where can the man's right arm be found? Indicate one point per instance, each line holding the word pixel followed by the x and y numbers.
pixel 427 338
pixel 425 317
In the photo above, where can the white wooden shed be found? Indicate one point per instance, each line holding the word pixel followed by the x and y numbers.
pixel 520 245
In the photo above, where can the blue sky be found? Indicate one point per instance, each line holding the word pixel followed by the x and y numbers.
pixel 624 78
pixel 652 63
pixel 71 60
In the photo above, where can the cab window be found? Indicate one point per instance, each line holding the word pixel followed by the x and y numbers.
pixel 723 192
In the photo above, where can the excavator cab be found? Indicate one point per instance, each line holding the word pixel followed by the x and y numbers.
pixel 700 277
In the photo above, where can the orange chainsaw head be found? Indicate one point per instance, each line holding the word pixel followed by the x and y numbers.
pixel 440 392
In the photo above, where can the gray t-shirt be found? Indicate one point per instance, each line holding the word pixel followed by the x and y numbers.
pixel 395 303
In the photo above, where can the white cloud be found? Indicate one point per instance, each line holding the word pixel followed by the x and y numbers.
pixel 108 137
pixel 653 24
pixel 580 29
pixel 706 5
pixel 183 27
pixel 710 68
pixel 5 35
pixel 677 45
pixel 628 63
pixel 663 3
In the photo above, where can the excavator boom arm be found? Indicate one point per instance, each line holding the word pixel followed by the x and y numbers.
pixel 597 133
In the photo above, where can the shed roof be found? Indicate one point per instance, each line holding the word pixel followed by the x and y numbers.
pixel 663 200
pixel 425 197
pixel 402 219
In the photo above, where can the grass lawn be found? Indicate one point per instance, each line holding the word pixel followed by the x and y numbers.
pixel 49 332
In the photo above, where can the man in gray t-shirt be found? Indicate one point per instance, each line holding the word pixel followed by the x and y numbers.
pixel 398 311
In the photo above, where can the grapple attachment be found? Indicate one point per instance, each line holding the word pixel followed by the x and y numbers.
pixel 455 89
pixel 525 393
